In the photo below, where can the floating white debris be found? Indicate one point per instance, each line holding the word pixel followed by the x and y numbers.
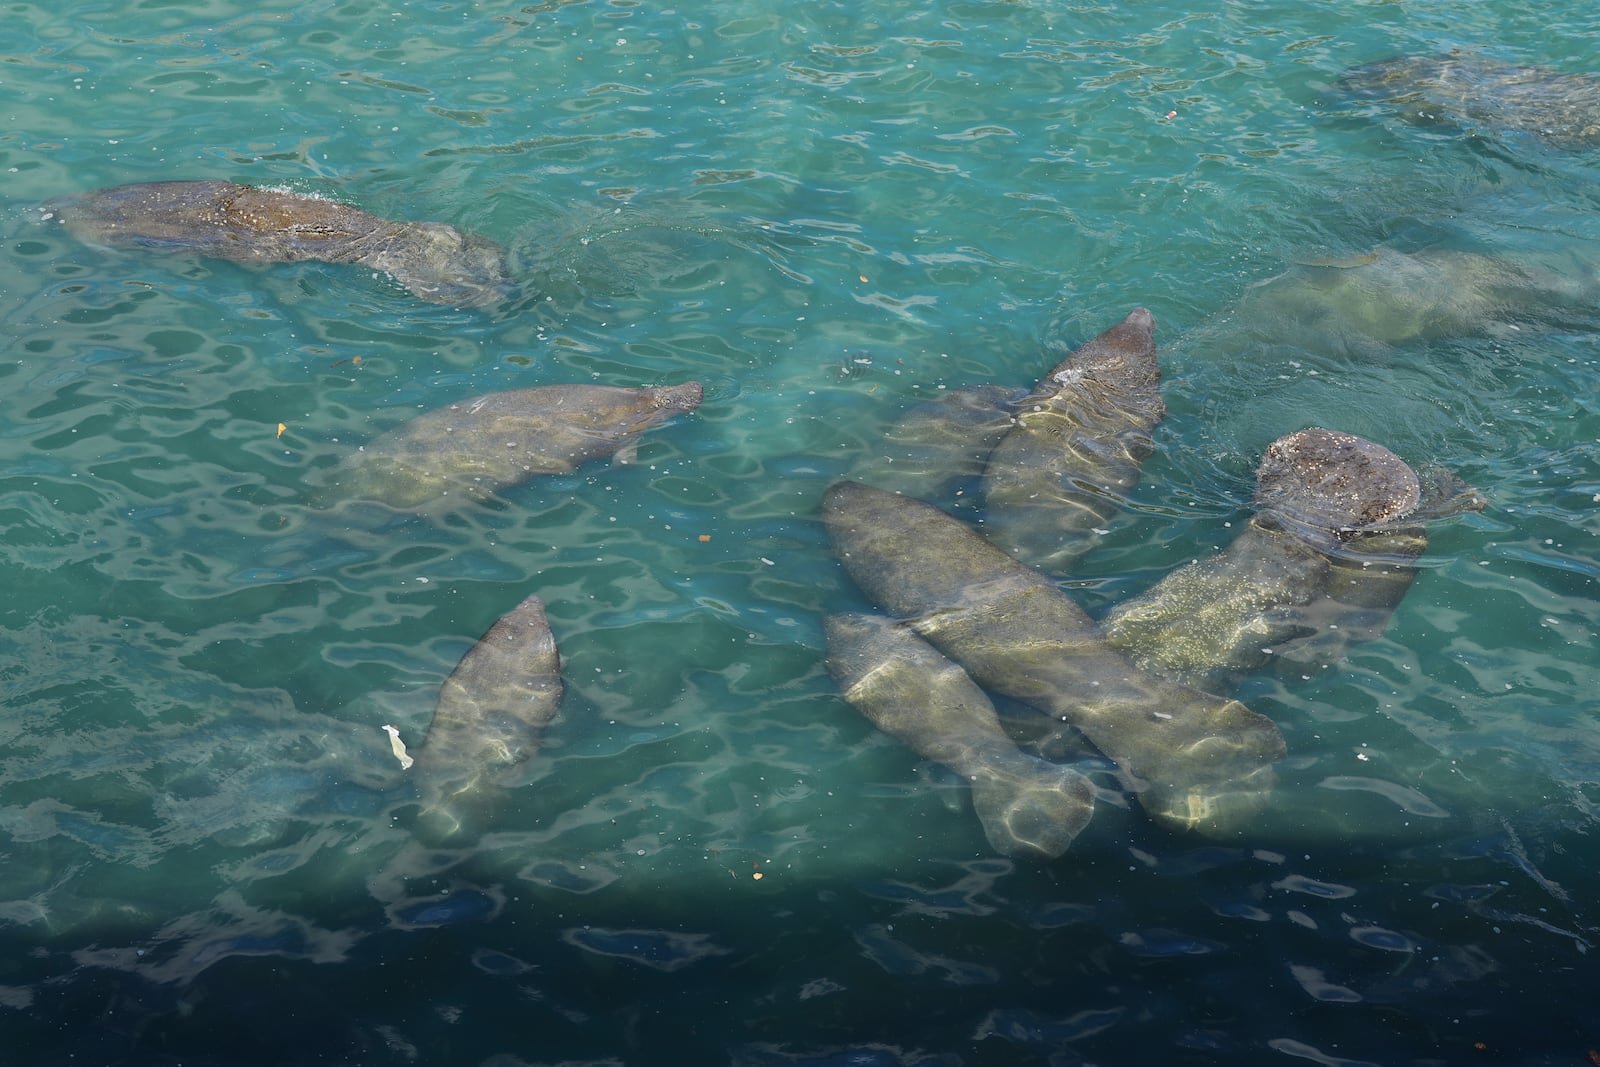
pixel 398 747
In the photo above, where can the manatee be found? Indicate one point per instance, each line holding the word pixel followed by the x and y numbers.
pixel 1195 759
pixel 1371 568
pixel 1028 806
pixel 474 447
pixel 1326 556
pixel 1467 90
pixel 1389 297
pixel 226 220
pixel 941 443
pixel 490 718
pixel 1079 438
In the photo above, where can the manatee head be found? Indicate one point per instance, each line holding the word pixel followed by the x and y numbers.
pixel 444 265
pixel 1324 480
pixel 1126 353
pixel 685 397
pixel 1397 74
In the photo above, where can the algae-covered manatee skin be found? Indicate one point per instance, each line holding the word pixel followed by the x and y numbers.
pixel 1028 806
pixel 475 447
pixel 228 220
pixel 1195 759
pixel 490 718
pixel 1323 562
pixel 1562 109
pixel 1326 481
pixel 1076 447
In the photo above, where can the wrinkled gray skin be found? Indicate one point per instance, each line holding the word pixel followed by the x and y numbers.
pixel 936 446
pixel 477 446
pixel 1196 760
pixel 1562 109
pixel 1028 806
pixel 490 718
pixel 226 220
pixel 1064 468
pixel 1322 565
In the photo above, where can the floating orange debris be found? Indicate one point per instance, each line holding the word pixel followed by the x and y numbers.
pixel 281 428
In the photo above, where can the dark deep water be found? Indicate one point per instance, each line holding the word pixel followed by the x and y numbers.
pixel 826 213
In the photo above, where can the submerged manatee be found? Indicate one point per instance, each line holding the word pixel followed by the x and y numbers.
pixel 937 445
pixel 491 715
pixel 1327 555
pixel 1076 447
pixel 1389 297
pixel 477 446
pixel 1196 760
pixel 1028 806
pixel 226 220
pixel 1563 109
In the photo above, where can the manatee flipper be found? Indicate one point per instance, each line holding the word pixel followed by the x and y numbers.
pixel 1195 760
pixel 1028 806
pixel 1076 447
pixel 475 447
pixel 490 719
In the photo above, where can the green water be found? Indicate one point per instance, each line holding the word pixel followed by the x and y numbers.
pixel 825 213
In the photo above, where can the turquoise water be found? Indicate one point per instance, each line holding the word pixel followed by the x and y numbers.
pixel 825 213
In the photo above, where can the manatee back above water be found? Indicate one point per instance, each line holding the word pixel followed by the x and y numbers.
pixel 1562 109
pixel 227 220
pixel 1321 566
pixel 477 446
pixel 1329 480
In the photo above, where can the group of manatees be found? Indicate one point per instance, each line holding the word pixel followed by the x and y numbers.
pixel 1328 552
pixel 493 709
pixel 1327 556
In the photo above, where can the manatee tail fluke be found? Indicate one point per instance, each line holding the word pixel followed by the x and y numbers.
pixel 1214 809
pixel 1031 807
pixel 459 814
